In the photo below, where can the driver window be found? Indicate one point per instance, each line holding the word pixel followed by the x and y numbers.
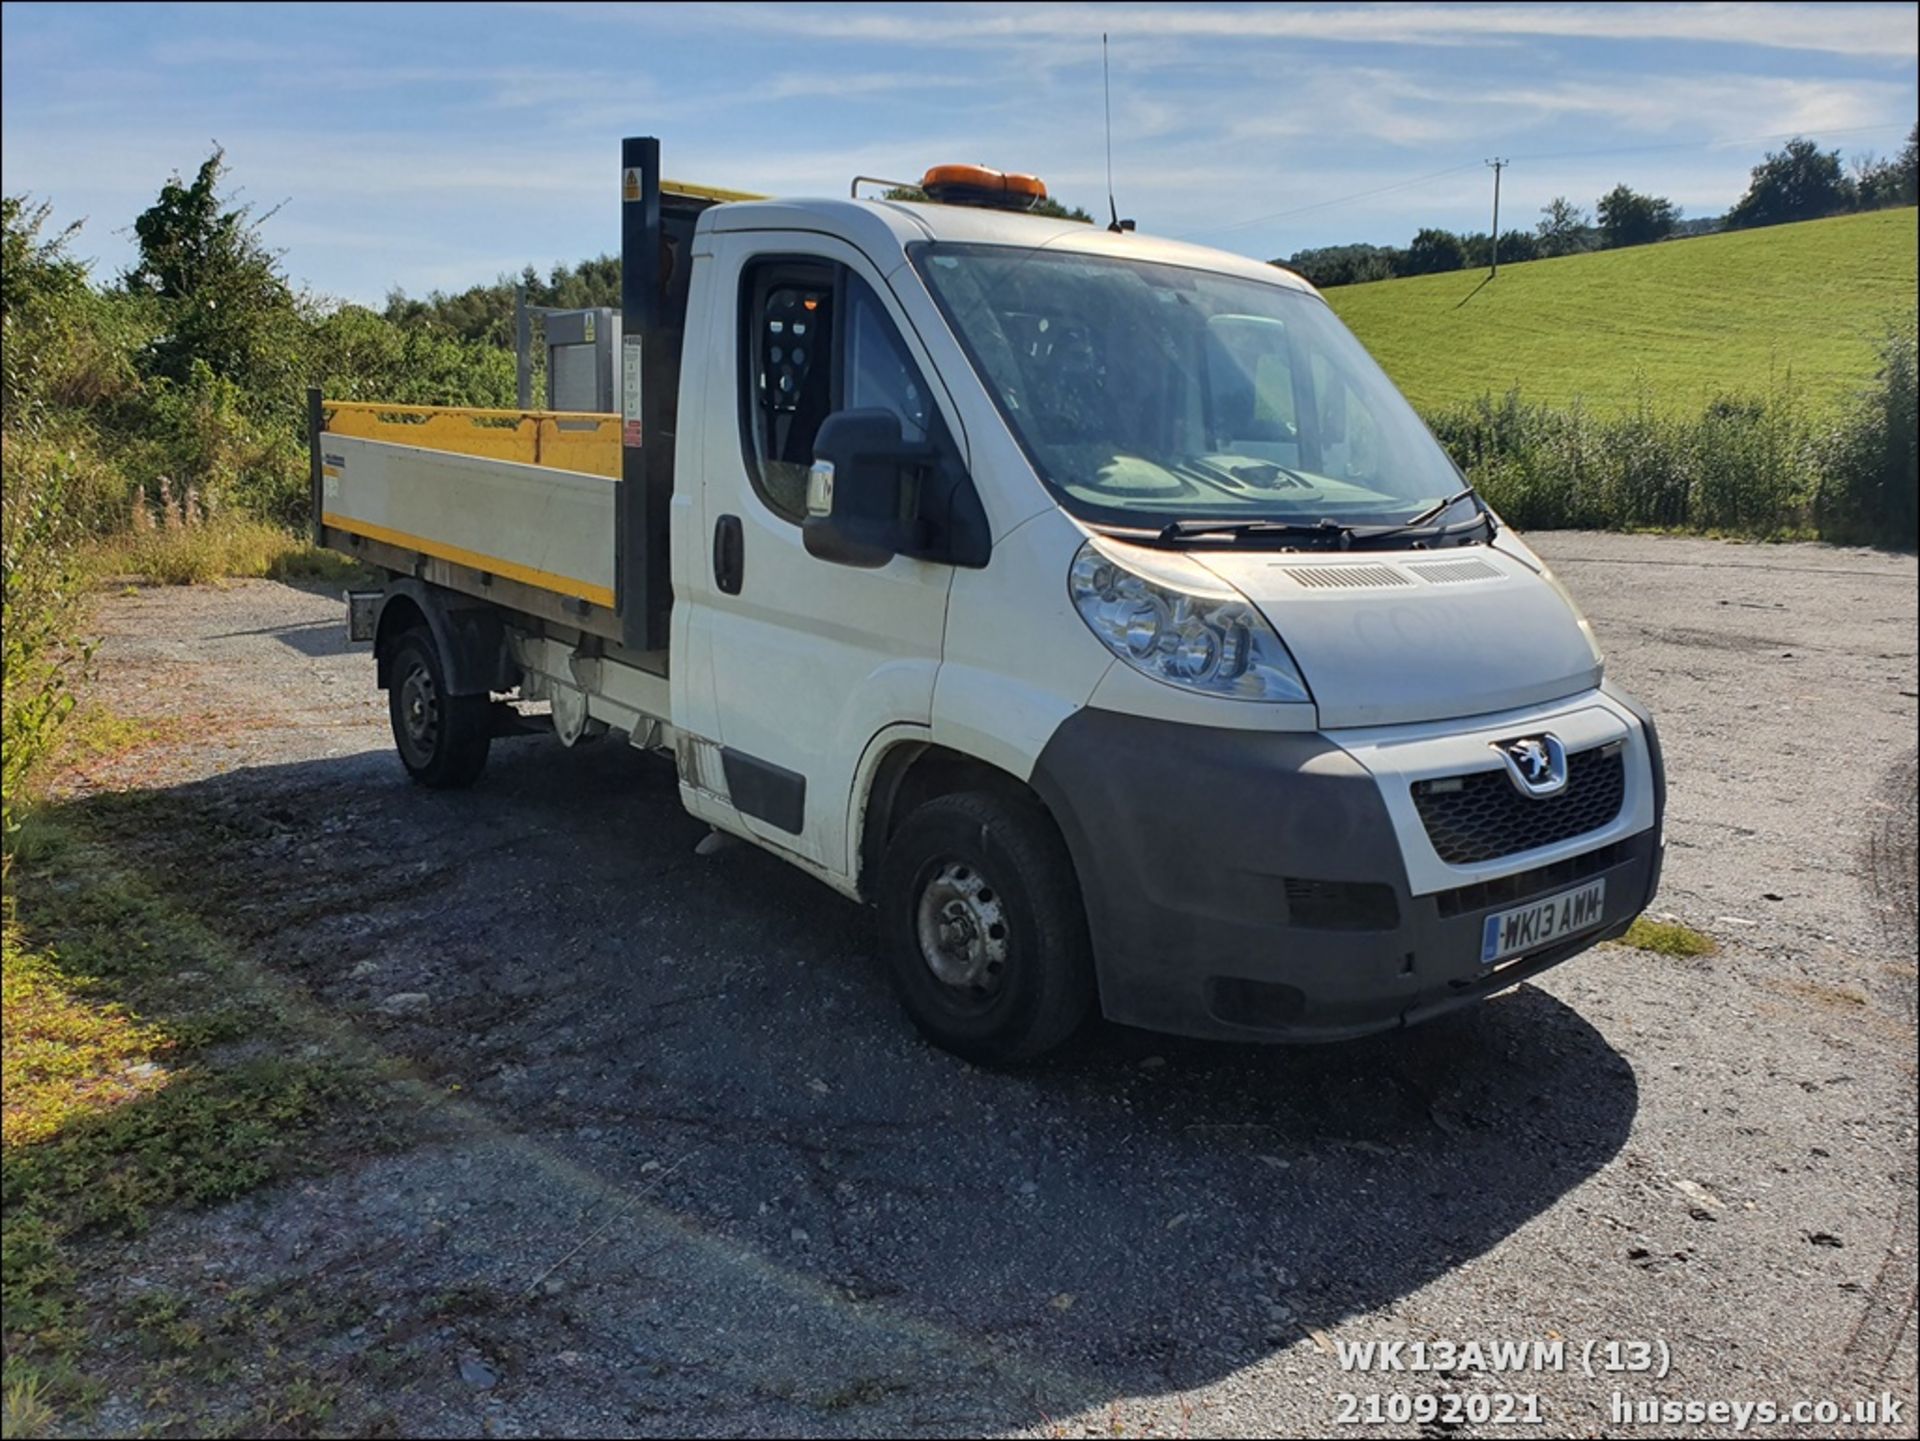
pixel 816 340
pixel 788 319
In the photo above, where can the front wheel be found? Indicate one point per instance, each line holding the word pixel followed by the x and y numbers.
pixel 442 739
pixel 983 928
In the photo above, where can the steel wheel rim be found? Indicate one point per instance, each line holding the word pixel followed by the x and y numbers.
pixel 420 709
pixel 961 922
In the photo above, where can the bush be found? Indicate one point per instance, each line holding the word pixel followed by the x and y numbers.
pixel 354 354
pixel 1742 467
pixel 1869 490
pixel 1759 466
pixel 41 585
pixel 1751 466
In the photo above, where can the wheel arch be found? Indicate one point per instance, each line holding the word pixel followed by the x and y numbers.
pixel 905 769
pixel 470 638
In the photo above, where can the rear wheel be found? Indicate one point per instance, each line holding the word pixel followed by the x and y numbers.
pixel 442 738
pixel 982 924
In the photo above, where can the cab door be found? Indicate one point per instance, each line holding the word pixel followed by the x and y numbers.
pixel 809 659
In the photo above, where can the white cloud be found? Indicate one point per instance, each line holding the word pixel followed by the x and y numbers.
pixel 1841 29
pixel 802 85
pixel 1727 107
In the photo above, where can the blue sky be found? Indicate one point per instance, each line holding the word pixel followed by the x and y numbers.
pixel 438 145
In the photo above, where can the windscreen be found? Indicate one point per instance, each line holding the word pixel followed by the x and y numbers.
pixel 1145 393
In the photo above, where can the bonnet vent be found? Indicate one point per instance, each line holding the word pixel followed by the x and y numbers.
pixel 1346 577
pixel 1450 572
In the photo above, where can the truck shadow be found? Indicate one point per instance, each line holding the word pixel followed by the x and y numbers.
pixel 314 639
pixel 1134 1216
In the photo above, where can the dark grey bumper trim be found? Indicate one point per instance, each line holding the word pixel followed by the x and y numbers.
pixel 1189 840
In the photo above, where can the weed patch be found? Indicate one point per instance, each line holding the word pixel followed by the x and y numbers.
pixel 1668 938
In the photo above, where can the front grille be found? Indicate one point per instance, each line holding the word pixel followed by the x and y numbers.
pixel 1540 881
pixel 1486 817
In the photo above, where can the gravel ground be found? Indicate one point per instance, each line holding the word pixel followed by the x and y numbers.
pixel 695 1175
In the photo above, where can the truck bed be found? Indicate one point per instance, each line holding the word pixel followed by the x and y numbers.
pixel 516 507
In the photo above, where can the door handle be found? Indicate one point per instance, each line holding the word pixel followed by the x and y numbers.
pixel 729 554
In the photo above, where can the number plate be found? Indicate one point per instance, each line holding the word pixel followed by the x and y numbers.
pixel 1529 927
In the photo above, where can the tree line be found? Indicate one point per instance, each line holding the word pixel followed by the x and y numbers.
pixel 188 370
pixel 1798 182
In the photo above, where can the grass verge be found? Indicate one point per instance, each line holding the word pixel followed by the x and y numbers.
pixel 147 1065
pixel 221 548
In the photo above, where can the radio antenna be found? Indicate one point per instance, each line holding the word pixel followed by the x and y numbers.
pixel 1106 86
pixel 1116 224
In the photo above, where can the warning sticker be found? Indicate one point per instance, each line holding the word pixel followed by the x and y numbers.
pixel 630 389
pixel 630 183
pixel 588 317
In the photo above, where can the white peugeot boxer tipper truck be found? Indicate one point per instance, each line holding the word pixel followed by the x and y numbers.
pixel 1091 605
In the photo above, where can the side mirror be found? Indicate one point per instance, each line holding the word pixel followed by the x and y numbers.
pixel 863 493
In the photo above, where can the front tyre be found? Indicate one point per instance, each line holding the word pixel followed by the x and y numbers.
pixel 442 739
pixel 983 928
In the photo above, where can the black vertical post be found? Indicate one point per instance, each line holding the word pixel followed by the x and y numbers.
pixel 316 482
pixel 642 588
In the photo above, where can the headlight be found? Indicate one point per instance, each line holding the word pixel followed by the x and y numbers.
pixel 1182 625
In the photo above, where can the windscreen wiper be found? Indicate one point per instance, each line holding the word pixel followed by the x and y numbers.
pixel 1434 512
pixel 1325 530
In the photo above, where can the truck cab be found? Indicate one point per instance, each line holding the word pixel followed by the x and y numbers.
pixel 1092 605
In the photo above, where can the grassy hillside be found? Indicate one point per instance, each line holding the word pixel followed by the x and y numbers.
pixel 1686 319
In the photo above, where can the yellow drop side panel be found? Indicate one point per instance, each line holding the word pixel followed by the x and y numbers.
pixel 559 440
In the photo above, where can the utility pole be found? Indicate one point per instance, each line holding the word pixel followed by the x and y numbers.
pixel 1498 166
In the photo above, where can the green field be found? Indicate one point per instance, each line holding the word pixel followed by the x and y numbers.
pixel 1680 321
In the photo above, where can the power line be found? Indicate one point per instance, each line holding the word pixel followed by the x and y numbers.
pixel 1323 204
pixel 1710 144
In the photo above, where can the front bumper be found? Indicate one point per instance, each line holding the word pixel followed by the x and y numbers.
pixel 1264 885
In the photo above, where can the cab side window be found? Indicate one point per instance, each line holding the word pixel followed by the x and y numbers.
pixel 815 338
pixel 788 322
